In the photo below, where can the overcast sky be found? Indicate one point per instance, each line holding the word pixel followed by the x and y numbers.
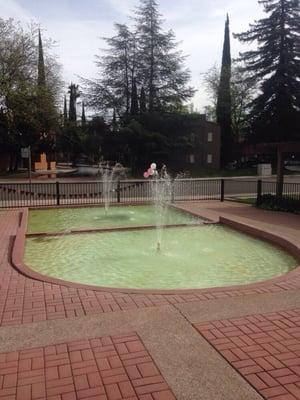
pixel 78 25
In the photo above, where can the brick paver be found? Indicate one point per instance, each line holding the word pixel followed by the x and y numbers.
pixel 25 300
pixel 264 349
pixel 105 368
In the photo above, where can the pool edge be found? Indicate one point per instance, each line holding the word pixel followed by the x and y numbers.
pixel 18 249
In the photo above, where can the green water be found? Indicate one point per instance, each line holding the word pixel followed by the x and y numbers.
pixel 193 257
pixel 63 219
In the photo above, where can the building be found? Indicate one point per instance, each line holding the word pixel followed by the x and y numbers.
pixel 205 145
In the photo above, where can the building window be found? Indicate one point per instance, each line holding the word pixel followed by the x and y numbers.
pixel 192 158
pixel 210 137
pixel 209 158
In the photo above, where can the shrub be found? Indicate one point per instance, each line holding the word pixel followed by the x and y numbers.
pixel 284 203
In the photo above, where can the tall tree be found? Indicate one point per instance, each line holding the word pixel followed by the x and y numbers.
pixel 160 64
pixel 45 102
pixel 224 100
pixel 41 63
pixel 65 110
pixel 74 94
pixel 149 55
pixel 27 69
pixel 143 106
pixel 275 65
pixel 83 117
pixel 117 70
pixel 242 92
pixel 134 109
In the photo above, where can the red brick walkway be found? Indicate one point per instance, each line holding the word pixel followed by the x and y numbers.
pixel 106 368
pixel 264 349
pixel 24 300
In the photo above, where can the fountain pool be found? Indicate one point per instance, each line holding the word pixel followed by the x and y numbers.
pixel 191 257
pixel 65 219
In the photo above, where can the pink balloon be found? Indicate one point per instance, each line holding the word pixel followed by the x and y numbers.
pixel 150 172
pixel 146 175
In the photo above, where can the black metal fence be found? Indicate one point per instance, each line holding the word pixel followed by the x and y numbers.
pixel 96 192
pixel 290 190
pixel 134 191
pixel 240 189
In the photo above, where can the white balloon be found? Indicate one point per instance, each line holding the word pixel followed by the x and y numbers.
pixel 153 166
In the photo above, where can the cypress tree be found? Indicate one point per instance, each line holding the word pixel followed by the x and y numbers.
pixel 143 106
pixel 73 91
pixel 275 66
pixel 65 111
pixel 45 103
pixel 134 109
pixel 224 100
pixel 41 64
pixel 83 118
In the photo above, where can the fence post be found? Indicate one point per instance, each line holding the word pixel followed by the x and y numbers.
pixel 222 189
pixel 259 193
pixel 119 192
pixel 57 194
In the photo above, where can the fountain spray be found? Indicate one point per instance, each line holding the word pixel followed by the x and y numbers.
pixel 110 176
pixel 161 187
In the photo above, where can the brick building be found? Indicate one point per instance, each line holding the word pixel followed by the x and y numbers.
pixel 206 146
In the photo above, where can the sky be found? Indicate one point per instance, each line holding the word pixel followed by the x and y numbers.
pixel 78 27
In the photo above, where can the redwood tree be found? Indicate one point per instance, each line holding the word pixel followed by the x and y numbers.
pixel 275 65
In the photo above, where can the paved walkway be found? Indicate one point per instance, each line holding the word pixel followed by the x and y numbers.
pixel 36 314
pixel 112 368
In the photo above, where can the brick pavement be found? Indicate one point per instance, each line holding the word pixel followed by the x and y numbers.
pixel 105 368
pixel 264 349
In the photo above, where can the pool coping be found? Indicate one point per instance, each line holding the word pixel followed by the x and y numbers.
pixel 19 248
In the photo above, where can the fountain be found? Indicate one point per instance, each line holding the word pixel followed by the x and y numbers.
pixel 110 176
pixel 161 187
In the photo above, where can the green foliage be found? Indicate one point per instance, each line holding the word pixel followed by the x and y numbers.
pixel 83 118
pixel 29 81
pixel 97 140
pixel 74 94
pixel 275 65
pixel 134 109
pixel 41 64
pixel 65 111
pixel 147 56
pixel 160 65
pixel 242 93
pixel 284 203
pixel 70 142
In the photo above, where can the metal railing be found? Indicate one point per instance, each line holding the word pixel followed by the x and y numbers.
pixel 80 193
pixel 240 189
pixel 135 191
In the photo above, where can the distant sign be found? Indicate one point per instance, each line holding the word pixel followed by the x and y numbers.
pixel 25 152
